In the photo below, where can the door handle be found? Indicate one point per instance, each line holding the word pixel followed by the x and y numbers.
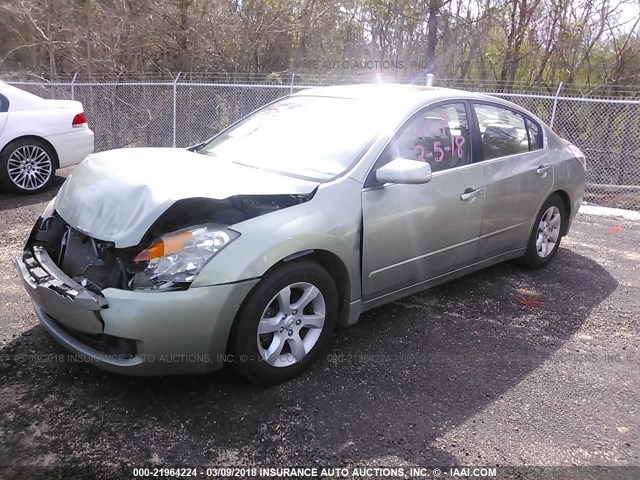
pixel 542 169
pixel 470 194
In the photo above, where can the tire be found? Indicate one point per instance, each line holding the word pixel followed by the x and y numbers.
pixel 27 166
pixel 291 338
pixel 546 233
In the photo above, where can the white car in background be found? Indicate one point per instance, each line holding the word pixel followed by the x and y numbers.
pixel 38 136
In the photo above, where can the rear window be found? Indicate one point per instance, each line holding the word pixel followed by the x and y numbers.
pixel 503 131
pixel 506 132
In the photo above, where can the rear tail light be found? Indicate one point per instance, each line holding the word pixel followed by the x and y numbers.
pixel 579 156
pixel 79 120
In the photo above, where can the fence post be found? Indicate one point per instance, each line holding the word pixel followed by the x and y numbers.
pixel 555 105
pixel 73 89
pixel 175 112
pixel 293 75
pixel 430 78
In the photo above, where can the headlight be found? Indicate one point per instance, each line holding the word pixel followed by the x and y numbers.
pixel 173 261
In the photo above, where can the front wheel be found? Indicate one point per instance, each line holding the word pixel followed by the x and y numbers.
pixel 284 323
pixel 547 233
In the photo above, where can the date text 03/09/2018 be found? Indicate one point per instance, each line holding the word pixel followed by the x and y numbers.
pixel 316 472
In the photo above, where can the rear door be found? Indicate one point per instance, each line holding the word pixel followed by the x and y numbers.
pixel 412 233
pixel 518 173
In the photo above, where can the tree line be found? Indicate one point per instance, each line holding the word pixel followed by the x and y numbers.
pixel 591 42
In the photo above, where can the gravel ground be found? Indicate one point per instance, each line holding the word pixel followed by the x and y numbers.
pixel 504 367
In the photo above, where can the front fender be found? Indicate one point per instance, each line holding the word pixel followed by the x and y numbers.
pixel 330 221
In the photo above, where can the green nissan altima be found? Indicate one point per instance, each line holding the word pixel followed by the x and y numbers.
pixel 250 248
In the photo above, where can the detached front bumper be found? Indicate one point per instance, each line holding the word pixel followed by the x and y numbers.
pixel 135 333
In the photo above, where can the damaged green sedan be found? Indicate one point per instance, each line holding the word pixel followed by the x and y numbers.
pixel 249 249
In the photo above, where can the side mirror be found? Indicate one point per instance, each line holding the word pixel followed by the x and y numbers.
pixel 402 170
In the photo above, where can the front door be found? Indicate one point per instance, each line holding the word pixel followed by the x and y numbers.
pixel 413 233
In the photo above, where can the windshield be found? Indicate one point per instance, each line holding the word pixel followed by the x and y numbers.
pixel 312 137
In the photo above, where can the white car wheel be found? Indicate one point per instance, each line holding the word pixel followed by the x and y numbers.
pixel 27 166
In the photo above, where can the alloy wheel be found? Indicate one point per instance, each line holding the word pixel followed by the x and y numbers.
pixel 29 167
pixel 291 324
pixel 548 232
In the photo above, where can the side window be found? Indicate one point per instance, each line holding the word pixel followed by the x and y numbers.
pixel 535 135
pixel 502 130
pixel 437 135
pixel 4 103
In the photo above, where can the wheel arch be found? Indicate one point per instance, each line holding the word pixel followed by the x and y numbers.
pixel 56 161
pixel 333 264
pixel 566 201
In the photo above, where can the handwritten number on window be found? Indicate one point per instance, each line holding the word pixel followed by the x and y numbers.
pixel 457 142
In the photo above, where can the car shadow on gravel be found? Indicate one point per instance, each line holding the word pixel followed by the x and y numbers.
pixel 385 393
pixel 10 201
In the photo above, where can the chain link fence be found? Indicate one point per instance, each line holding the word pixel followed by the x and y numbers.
pixel 184 112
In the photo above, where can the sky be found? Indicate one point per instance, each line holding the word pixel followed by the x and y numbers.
pixel 628 14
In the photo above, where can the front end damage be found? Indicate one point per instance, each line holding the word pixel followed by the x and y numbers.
pixel 91 263
pixel 97 264
pixel 66 306
pixel 89 296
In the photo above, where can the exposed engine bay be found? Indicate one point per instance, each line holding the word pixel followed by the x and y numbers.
pixel 97 264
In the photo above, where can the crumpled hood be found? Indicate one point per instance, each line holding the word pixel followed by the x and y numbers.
pixel 117 195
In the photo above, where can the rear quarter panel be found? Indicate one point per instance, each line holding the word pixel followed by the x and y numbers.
pixel 568 174
pixel 30 115
pixel 40 123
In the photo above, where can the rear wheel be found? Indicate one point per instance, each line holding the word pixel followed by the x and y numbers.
pixel 285 323
pixel 547 233
pixel 26 166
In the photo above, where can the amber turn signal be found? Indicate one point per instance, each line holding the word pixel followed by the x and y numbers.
pixel 167 245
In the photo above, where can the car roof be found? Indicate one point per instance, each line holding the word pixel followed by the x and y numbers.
pixel 392 92
pixel 393 96
pixel 17 96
